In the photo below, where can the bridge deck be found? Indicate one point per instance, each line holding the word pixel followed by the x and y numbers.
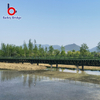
pixel 78 62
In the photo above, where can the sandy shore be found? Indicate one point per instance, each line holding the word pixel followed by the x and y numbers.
pixel 73 66
pixel 20 66
pixel 28 66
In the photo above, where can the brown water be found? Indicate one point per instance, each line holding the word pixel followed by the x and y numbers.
pixel 16 85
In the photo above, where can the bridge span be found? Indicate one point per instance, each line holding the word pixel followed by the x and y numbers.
pixel 77 62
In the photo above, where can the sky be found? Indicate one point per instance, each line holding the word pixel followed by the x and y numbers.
pixel 53 22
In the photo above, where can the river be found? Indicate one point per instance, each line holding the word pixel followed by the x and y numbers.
pixel 15 85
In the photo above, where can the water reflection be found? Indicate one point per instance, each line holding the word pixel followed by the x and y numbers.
pixel 79 71
pixel 32 79
pixel 8 75
pixel 33 86
pixel 75 71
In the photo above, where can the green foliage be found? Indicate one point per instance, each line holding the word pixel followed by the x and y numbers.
pixel 41 51
pixel 30 47
pixel 30 50
pixel 62 48
pixel 56 52
pixel 35 51
pixel 84 49
pixel 63 53
pixel 73 50
pixel 25 49
pixel 51 49
pixel 98 47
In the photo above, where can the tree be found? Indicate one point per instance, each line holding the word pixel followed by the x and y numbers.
pixel 73 50
pixel 30 46
pixel 20 51
pixel 63 51
pixel 56 52
pixel 3 48
pixel 62 48
pixel 51 49
pixel 77 53
pixel 69 53
pixel 1 54
pixel 98 47
pixel 7 48
pixel 12 50
pixel 35 50
pixel 46 51
pixel 83 49
pixel 95 54
pixel 41 51
pixel 34 41
pixel 25 49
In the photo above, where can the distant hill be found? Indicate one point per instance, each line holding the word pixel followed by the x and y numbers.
pixel 93 49
pixel 71 47
pixel 57 47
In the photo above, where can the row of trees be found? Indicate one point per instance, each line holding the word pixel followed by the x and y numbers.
pixel 31 50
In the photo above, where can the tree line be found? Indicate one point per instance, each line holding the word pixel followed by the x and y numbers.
pixel 32 50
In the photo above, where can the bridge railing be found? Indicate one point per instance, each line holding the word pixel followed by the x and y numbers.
pixel 56 58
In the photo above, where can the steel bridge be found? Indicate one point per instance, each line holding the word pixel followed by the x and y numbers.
pixel 77 62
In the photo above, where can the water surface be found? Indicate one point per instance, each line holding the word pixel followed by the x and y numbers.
pixel 16 85
pixel 75 71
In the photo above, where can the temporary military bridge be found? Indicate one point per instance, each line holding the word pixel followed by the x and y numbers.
pixel 77 62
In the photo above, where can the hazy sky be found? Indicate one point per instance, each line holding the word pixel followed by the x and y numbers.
pixel 51 22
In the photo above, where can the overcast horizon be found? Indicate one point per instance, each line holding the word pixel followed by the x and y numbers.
pixel 52 22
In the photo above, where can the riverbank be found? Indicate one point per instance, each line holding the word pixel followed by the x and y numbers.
pixel 20 66
pixel 96 68
pixel 41 66
pixel 40 71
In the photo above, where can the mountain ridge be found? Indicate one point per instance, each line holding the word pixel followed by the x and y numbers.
pixel 68 47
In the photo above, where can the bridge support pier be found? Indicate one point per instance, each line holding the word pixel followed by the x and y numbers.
pixel 51 65
pixel 77 68
pixel 31 62
pixel 56 69
pixel 56 65
pixel 82 67
pixel 37 63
